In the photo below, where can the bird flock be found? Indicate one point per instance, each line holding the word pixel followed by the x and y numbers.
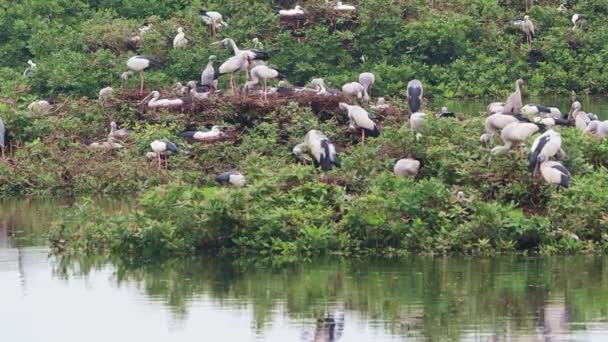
pixel 513 121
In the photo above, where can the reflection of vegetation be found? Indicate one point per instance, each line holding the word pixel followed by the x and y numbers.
pixel 436 298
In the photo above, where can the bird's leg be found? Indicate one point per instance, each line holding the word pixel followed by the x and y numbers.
pixel 265 92
pixel 141 79
pixel 159 164
pixel 232 84
pixel 362 137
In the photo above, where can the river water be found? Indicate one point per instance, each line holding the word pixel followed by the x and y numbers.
pixel 45 298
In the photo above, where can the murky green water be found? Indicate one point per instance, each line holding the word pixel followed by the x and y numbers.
pixel 471 299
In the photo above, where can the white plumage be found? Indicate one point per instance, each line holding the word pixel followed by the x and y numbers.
pixel 598 128
pixel 545 112
pixel 359 119
pixel 32 66
pixel 417 122
pixel 235 179
pixel 214 21
pixel 495 123
pixel 213 134
pixel 514 102
pixel 233 65
pixel 528 28
pixel 156 102
pixel 367 80
pixel 208 74
pixel 110 144
pixel 297 11
pixel 41 107
pixel 495 107
pixel 344 7
pixel 262 73
pixel 118 134
pixel 514 134
pixel 577 21
pixel 105 94
pixel 353 89
pixel 139 64
pixel 581 119
pixel 545 146
pixel 180 40
pixel 555 173
pixel 407 167
pixel 317 145
pixel 162 148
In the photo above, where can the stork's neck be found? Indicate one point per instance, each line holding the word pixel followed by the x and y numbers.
pixel 233 45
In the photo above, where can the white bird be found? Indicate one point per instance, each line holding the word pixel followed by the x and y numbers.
pixel 297 11
pixel 581 119
pixel 118 134
pixel 320 148
pixel 354 90
pixel 180 40
pixel 231 66
pixel 214 21
pixel 414 93
pixel 598 128
pixel 105 94
pixel 545 112
pixel 528 28
pixel 199 93
pixel 213 134
pixel 344 7
pixel 124 77
pixel 495 123
pixel 555 173
pixel 495 107
pixel 380 105
pixel 233 178
pixel 208 74
pixel 514 102
pixel 319 86
pixel 109 144
pixel 367 80
pixel 139 64
pixel 262 73
pixel 545 146
pixel 41 107
pixel 577 21
pixel 257 44
pixel 359 119
pixel 32 66
pixel 514 134
pixel 407 167
pixel 154 101
pixel 163 148
pixel 417 121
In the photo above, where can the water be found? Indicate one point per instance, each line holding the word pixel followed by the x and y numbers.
pixel 470 299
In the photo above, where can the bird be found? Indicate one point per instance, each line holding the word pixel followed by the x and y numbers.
pixel 199 92
pixel 214 21
pixel 253 53
pixel 231 177
pixel 262 73
pixel 417 121
pixel 495 123
pixel 445 113
pixel 528 28
pixel 110 144
pixel 344 7
pixel 320 148
pixel 163 148
pixel 577 21
pixel 2 137
pixel 537 110
pixel 124 77
pixel 359 119
pixel 367 80
pixel 133 41
pixel 414 95
pixel 495 107
pixel 146 28
pixel 32 66
pixel 320 88
pixel 380 105
pixel 208 74
pixel 257 44
pixel 554 172
pixel 407 167
pixel 42 107
pixel 139 64
pixel 154 101
pixel 231 66
pixel 597 128
pixel 180 90
pixel 580 118
pixel 118 134
pixel 548 144
pixel 213 134
pixel 180 40
pixel 514 102
pixel 353 90
pixel 514 134
pixel 297 11
pixel 105 94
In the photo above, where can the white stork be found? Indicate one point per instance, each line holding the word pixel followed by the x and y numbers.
pixel 320 148
pixel 214 21
pixel 598 128
pixel 139 64
pixel 118 134
pixel 353 90
pixel 233 178
pixel 262 73
pixel 545 112
pixel 105 94
pixel 514 102
pixel 407 167
pixel 208 74
pixel 367 80
pixel 417 121
pixel 414 93
pixel 514 134
pixel 359 119
pixel 555 173
pixel 214 134
pixel 495 123
pixel 577 21
pixel 297 11
pixel 163 148
pixel 528 29
pixel 155 101
pixel 180 40
pixel 545 146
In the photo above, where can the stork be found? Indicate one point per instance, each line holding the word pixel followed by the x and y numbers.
pixel 495 123
pixel 231 66
pixel 577 21
pixel 208 74
pixel 359 119
pixel 547 145
pixel 214 20
pixel 32 66
pixel 296 12
pixel 110 144
pixel 545 112
pixel 214 134
pixel 163 148
pixel 124 77
pixel 344 7
pixel 445 113
pixel 139 64
pixel 2 137
pixel 118 134
pixel 320 148
pixel 580 118
pixel 180 40
pixel 514 134
pixel 380 105
pixel 105 94
pixel 554 172
pixel 414 94
pixel 252 53
pixel 155 101
pixel 514 102
pixel 597 128
pixel 528 28
pixel 417 121
pixel 495 107
pixel 353 90
pixel 262 73
pixel 367 80
pixel 233 178
pixel 407 167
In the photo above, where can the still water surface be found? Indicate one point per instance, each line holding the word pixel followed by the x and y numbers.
pixel 46 298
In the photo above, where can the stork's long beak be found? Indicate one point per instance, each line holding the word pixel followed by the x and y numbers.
pixel 217 43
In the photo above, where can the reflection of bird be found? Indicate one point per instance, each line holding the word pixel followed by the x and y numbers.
pixel 180 40
pixel 414 95
pixel 233 178
pixel 162 148
pixel 319 147
pixel 407 167
pixel 330 328
pixel 359 119
pixel 139 64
